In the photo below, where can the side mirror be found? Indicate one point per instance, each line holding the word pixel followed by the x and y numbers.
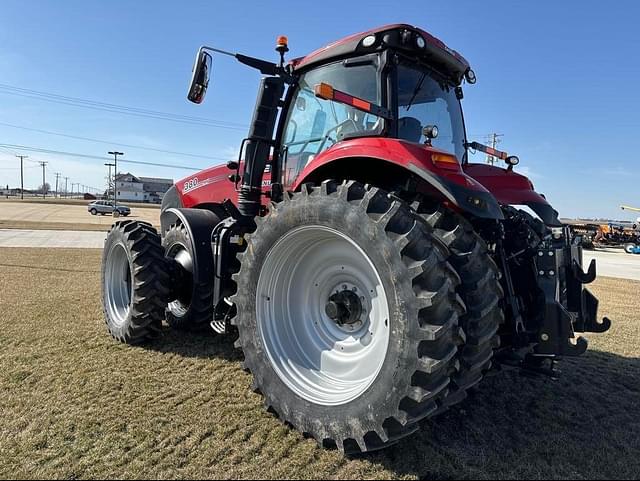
pixel 200 77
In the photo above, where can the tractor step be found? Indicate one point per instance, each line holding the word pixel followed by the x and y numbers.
pixel 219 326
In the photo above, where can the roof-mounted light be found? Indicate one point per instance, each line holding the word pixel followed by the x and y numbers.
pixel 282 43
pixel 421 42
pixel 470 75
pixel 369 41
pixel 512 160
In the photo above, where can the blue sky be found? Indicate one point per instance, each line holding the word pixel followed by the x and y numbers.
pixel 558 79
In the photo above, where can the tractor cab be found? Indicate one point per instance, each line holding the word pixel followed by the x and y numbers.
pixel 385 94
pixel 395 82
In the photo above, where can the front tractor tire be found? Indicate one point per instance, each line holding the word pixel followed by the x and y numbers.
pixel 134 282
pixel 348 315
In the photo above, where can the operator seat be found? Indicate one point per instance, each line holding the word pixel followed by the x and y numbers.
pixel 410 128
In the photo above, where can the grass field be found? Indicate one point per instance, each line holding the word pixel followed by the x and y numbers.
pixel 75 403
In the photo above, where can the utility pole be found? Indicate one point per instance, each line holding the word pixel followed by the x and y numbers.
pixel 109 178
pixel 494 140
pixel 44 190
pixel 115 175
pixel 66 187
pixel 58 174
pixel 22 157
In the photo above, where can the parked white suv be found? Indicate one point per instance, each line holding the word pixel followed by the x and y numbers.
pixel 103 207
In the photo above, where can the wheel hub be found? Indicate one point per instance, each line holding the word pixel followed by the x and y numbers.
pixel 345 308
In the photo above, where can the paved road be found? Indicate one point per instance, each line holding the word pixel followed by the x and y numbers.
pixel 51 238
pixel 615 263
pixel 611 263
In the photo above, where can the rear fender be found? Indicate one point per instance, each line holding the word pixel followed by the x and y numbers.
pixel 390 162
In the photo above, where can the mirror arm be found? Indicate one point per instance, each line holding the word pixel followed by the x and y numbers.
pixel 265 67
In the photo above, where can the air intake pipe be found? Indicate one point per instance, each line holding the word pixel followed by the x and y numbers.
pixel 258 145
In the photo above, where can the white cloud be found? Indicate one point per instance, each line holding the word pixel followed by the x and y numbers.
pixel 528 172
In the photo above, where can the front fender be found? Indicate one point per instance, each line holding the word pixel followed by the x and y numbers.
pixel 452 183
pixel 199 224
pixel 511 188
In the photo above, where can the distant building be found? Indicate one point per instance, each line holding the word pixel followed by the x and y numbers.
pixel 7 192
pixel 141 189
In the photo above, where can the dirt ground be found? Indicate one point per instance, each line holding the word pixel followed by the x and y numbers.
pixel 64 216
pixel 76 404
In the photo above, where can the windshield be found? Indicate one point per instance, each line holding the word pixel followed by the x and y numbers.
pixel 422 101
pixel 314 124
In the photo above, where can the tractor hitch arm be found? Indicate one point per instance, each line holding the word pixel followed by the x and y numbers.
pixel 559 270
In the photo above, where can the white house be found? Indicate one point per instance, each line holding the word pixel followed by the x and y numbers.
pixel 141 189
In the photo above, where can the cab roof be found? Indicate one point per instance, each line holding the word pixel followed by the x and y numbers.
pixel 398 36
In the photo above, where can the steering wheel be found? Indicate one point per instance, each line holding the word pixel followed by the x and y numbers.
pixel 335 128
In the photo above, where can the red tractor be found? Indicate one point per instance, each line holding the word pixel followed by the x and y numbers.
pixel 372 274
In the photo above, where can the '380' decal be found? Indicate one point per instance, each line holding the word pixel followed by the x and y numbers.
pixel 193 183
pixel 190 185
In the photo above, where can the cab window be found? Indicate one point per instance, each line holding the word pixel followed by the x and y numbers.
pixel 314 125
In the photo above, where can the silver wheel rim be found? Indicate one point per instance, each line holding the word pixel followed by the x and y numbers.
pixel 118 284
pixel 320 360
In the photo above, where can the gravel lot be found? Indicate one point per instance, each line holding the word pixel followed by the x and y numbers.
pixel 64 216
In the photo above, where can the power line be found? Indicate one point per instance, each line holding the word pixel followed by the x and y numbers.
pixel 115 108
pixel 89 139
pixel 11 152
pixel 96 157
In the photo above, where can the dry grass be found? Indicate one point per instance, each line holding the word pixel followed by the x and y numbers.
pixel 74 403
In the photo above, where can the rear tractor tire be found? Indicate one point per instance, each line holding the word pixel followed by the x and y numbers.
pixel 192 308
pixel 348 316
pixel 134 282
